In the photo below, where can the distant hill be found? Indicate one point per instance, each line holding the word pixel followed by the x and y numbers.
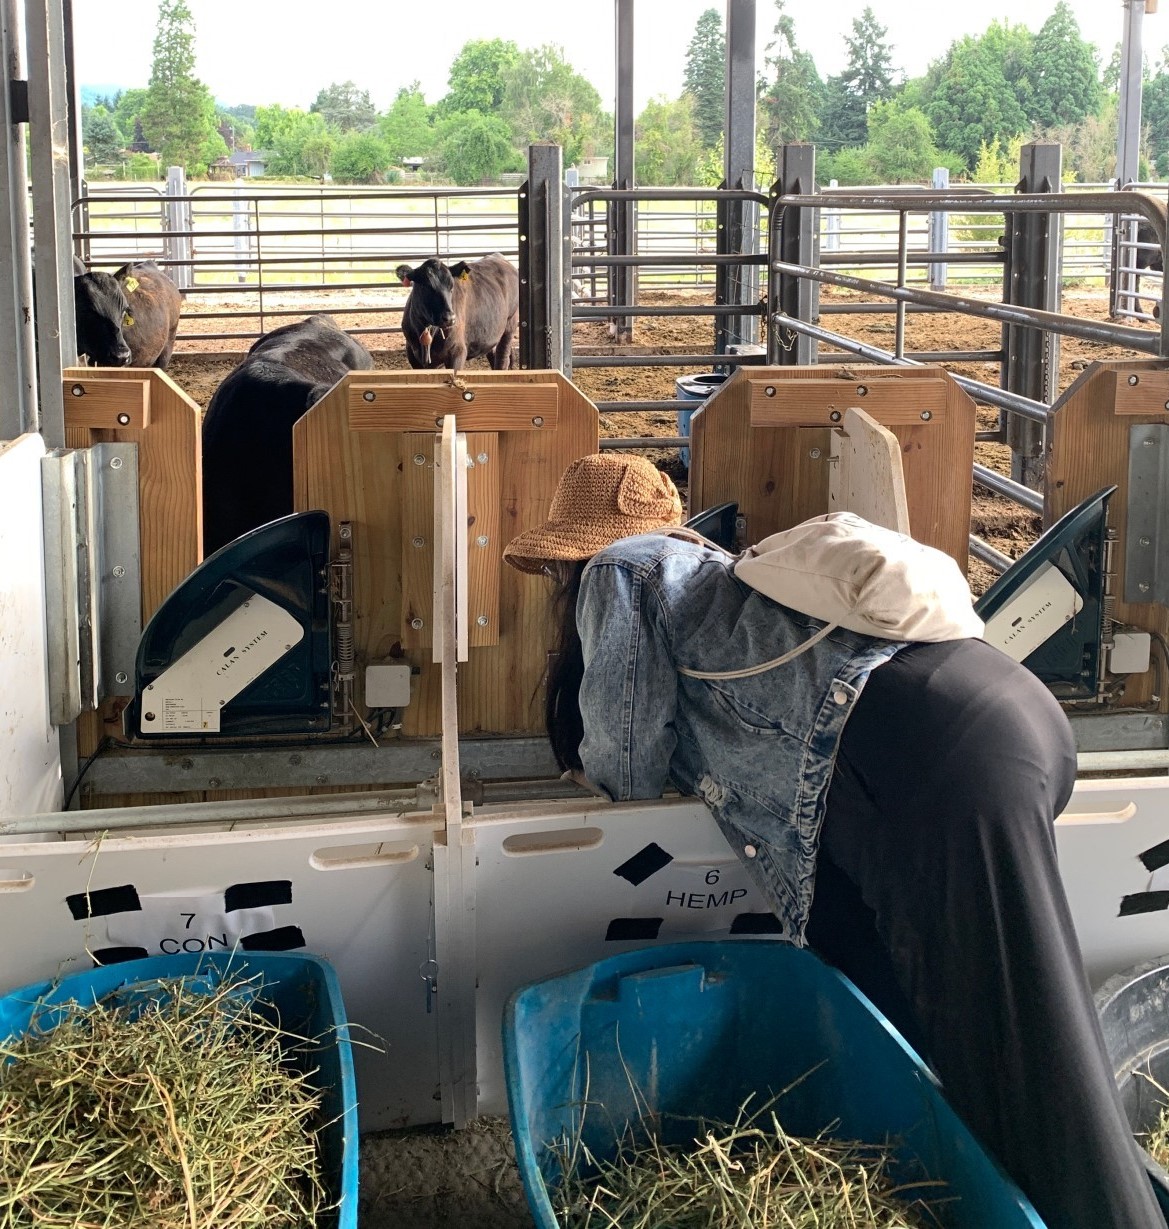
pixel 91 93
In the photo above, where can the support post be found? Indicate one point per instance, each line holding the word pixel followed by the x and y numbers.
pixel 48 115
pixel 622 229
pixel 795 238
pixel 18 377
pixel 1031 278
pixel 177 216
pixel 738 221
pixel 939 232
pixel 545 285
pixel 73 95
pixel 1128 148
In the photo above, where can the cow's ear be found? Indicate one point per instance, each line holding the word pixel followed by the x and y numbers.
pixel 461 270
pixel 405 274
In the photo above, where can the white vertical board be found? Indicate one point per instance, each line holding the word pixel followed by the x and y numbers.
pixel 30 761
pixel 1113 843
pixel 357 892
pixel 561 884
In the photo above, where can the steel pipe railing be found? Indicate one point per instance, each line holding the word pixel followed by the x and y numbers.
pixel 1001 485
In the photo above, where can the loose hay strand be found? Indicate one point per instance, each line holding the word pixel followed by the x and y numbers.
pixel 749 1174
pixel 176 1108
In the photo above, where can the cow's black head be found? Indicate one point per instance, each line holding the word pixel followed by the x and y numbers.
pixel 102 312
pixel 430 289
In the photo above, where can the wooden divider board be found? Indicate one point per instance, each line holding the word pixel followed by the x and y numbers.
pixel 365 453
pixel 763 440
pixel 866 475
pixel 1088 450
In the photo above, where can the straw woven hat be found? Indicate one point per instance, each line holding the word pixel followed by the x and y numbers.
pixel 598 499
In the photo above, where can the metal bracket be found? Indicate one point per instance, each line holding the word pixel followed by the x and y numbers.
pixel 1146 547
pixel 92 575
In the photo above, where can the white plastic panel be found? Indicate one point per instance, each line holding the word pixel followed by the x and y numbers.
pixel 358 891
pixel 1113 843
pixel 30 763
pixel 556 883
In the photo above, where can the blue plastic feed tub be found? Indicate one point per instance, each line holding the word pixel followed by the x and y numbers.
pixel 301 992
pixel 694 388
pixel 697 1028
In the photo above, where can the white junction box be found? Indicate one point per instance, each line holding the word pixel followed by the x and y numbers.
pixel 387 685
pixel 1131 653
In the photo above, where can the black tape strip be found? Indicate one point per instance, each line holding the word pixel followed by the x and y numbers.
pixel 115 955
pixel 1156 856
pixel 1144 902
pixel 624 928
pixel 282 939
pixel 104 902
pixel 756 924
pixel 257 895
pixel 644 864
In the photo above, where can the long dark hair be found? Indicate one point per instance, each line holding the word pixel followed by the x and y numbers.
pixel 562 716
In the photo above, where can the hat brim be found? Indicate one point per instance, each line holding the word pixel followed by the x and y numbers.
pixel 571 541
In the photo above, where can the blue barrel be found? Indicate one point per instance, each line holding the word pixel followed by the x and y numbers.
pixel 694 388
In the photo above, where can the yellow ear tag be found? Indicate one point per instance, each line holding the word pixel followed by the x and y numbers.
pixel 130 285
pixel 127 321
pixel 464 275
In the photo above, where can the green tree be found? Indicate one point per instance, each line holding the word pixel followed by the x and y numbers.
pixel 666 143
pixel 299 143
pixel 848 167
pixel 712 163
pixel 705 76
pixel 1064 75
pixel 178 117
pixel 103 141
pixel 901 145
pixel 475 148
pixel 360 157
pixel 1155 115
pixel 127 111
pixel 546 99
pixel 478 75
pixel 406 127
pixel 791 91
pixel 867 79
pixel 981 89
pixel 237 133
pixel 345 108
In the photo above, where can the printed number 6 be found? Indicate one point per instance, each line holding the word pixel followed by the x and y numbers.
pixel 712 875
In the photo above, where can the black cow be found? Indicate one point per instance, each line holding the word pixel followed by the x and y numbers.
pixel 1151 258
pixel 127 318
pixel 461 312
pixel 247 430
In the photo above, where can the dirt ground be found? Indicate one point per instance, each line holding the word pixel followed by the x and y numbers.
pixel 198 368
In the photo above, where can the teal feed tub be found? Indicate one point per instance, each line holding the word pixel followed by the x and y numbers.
pixel 701 1027
pixel 304 995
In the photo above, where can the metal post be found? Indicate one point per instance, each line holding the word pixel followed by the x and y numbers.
pixel 178 225
pixel 1128 146
pixel 832 225
pixel 18 378
pixel 241 237
pixel 939 231
pixel 545 287
pixel 795 237
pixel 49 125
pixel 738 221
pixel 1031 278
pixel 622 233
pixel 73 94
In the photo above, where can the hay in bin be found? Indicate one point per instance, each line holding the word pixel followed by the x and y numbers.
pixel 749 1174
pixel 173 1107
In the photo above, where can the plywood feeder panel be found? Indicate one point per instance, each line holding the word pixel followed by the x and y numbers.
pixel 1087 449
pixel 365 453
pixel 763 440
pixel 144 406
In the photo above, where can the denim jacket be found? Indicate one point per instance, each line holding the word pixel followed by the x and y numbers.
pixel 760 750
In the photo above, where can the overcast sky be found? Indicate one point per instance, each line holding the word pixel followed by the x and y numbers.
pixel 264 51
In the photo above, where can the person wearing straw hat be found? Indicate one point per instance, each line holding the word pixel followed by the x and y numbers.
pixel 893 801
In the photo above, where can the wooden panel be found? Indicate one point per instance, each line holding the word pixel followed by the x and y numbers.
pixel 866 475
pixel 371 479
pixel 1088 450
pixel 1139 392
pixel 106 403
pixel 477 407
pixel 777 471
pixel 812 403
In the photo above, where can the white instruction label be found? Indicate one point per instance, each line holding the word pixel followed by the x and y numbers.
pixel 166 925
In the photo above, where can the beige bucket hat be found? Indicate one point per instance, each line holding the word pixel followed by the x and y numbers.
pixel 598 499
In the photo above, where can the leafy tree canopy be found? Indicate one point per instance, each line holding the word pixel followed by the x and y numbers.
pixel 360 157
pixel 901 145
pixel 791 91
pixel 1064 74
pixel 666 143
pixel 299 142
pixel 345 108
pixel 406 128
pixel 546 99
pixel 475 148
pixel 866 79
pixel 478 75
pixel 705 76
pixel 103 140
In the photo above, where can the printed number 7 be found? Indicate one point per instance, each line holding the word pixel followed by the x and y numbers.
pixel 190 918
